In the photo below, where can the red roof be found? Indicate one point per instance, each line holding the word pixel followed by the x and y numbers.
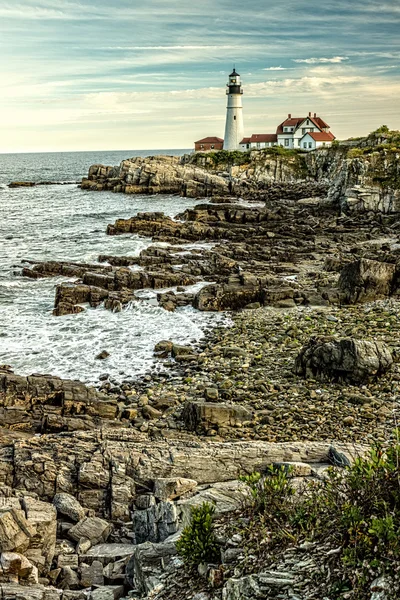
pixel 319 122
pixel 263 137
pixel 210 140
pixel 245 141
pixel 292 122
pixel 321 136
pixel 296 121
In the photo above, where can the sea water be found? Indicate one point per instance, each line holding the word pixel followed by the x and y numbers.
pixel 63 222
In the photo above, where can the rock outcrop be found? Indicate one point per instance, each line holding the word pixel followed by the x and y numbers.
pixel 366 280
pixel 344 359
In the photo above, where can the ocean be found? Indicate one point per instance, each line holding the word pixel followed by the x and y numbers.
pixel 63 222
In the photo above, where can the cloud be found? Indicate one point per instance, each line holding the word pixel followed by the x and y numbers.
pixel 314 61
pixel 275 69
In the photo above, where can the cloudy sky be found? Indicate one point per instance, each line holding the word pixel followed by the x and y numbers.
pixel 124 74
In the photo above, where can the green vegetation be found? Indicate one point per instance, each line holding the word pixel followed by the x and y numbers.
pixel 355 510
pixel 282 151
pixel 198 543
pixel 222 157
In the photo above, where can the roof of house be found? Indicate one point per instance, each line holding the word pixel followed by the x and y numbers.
pixel 292 122
pixel 296 121
pixel 321 136
pixel 263 137
pixel 210 140
pixel 245 141
pixel 319 122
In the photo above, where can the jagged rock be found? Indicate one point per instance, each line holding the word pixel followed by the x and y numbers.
pixel 169 488
pixel 107 592
pixel 365 280
pixel 343 359
pixel 92 574
pixel 93 529
pixel 148 562
pixel 156 523
pixel 204 415
pixel 16 568
pixel 67 505
pixel 15 530
pixel 10 591
pixel 68 579
pixel 42 403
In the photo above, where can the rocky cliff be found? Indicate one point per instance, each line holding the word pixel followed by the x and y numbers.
pixel 358 176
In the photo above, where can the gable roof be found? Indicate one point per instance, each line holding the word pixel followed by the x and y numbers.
pixel 297 121
pixel 263 137
pixel 210 140
pixel 320 136
pixel 292 122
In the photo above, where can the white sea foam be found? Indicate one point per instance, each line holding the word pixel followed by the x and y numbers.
pixel 66 223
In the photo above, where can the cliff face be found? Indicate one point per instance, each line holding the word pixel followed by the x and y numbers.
pixel 361 178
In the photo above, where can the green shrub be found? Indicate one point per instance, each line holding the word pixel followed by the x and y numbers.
pixel 355 153
pixel 198 543
pixel 355 509
pixel 270 492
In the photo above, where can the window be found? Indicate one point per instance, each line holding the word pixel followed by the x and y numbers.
pixel 308 122
pixel 310 144
pixel 212 146
pixel 247 146
pixel 286 142
pixel 304 144
pixel 303 131
pixel 258 144
pixel 201 147
pixel 234 117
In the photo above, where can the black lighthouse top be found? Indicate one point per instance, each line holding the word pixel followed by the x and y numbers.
pixel 234 85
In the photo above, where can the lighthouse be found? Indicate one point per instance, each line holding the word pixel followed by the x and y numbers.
pixel 234 113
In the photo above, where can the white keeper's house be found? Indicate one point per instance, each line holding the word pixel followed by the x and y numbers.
pixel 305 133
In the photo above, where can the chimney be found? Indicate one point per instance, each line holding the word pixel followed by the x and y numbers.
pixel 309 114
pixel 315 115
pixel 289 116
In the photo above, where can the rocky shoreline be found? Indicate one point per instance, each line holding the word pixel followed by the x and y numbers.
pixel 97 483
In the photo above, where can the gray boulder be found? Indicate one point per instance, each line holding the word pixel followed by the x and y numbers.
pixel 67 505
pixel 345 359
pixel 365 280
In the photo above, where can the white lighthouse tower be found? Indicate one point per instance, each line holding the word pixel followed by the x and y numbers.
pixel 234 113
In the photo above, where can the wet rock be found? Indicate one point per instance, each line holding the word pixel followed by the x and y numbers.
pixel 163 348
pixel 343 359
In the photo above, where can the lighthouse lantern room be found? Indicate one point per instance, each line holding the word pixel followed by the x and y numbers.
pixel 234 113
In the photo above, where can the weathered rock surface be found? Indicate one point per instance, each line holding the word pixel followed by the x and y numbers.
pixel 41 403
pixel 366 280
pixel 344 359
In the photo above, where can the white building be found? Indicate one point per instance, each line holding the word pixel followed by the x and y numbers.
pixel 291 133
pixel 234 113
pixel 305 133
